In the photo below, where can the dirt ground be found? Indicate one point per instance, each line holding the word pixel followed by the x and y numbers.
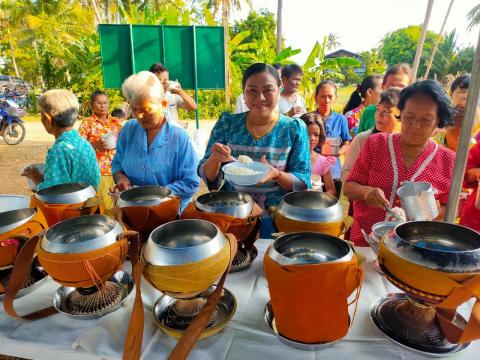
pixel 33 149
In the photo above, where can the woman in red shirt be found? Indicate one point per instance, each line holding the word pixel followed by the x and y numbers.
pixel 471 215
pixel 388 160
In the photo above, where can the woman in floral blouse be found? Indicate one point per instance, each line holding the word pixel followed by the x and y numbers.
pixel 96 130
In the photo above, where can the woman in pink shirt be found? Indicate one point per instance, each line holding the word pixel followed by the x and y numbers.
pixel 321 165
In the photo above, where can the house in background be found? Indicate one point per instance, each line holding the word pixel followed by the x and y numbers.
pixel 360 71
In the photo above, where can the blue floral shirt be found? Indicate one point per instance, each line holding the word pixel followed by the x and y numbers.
pixel 170 160
pixel 70 159
pixel 285 147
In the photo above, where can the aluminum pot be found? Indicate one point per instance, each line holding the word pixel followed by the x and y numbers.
pixel 309 248
pixel 183 241
pixel 12 219
pixel 233 203
pixel 145 195
pixel 81 234
pixel 418 201
pixel 68 193
pixel 436 245
pixel 331 147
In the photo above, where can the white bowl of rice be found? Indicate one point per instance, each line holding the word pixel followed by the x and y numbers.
pixel 245 174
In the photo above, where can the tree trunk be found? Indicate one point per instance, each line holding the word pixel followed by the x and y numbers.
pixel 107 11
pixel 14 62
pixel 437 42
pixel 279 26
pixel 37 57
pixel 227 55
pixel 98 17
pixel 418 54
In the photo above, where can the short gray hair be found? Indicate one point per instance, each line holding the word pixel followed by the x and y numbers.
pixel 143 85
pixel 62 105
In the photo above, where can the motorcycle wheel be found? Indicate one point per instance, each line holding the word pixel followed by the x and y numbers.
pixel 14 134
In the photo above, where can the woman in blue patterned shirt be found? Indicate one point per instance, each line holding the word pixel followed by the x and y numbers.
pixel 71 158
pixel 151 150
pixel 264 135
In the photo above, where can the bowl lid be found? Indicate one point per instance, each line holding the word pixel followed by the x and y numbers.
pixel 68 193
pixel 81 234
pixel 12 219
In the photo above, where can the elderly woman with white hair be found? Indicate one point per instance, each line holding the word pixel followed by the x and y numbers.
pixel 150 149
pixel 71 158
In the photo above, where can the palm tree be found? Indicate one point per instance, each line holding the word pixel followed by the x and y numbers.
pixel 227 6
pixel 474 17
pixel 446 54
pixel 10 21
pixel 279 25
pixel 439 37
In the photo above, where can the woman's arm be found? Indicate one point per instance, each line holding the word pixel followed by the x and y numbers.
pixel 220 153
pixel 122 182
pixel 209 167
pixel 472 173
pixel 187 180
pixel 329 185
pixel 298 164
pixel 343 148
pixel 373 197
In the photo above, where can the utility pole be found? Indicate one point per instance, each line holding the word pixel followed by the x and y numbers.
pixel 418 54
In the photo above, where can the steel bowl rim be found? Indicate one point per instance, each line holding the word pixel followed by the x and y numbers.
pixel 102 241
pixel 285 260
pixel 310 215
pixel 121 203
pixel 435 250
pixel 80 196
pixel 210 209
pixel 186 247
pixel 157 255
pixel 4 229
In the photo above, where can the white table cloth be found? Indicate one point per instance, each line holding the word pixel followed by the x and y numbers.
pixel 247 336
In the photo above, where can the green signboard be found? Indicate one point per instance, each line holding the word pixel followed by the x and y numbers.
pixel 194 55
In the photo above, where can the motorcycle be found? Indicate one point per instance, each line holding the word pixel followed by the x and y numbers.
pixel 12 127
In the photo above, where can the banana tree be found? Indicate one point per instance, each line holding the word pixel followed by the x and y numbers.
pixel 266 54
pixel 318 68
pixel 241 55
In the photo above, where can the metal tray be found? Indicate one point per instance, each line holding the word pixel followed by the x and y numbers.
pixel 270 320
pixel 120 277
pixel 379 323
pixel 38 275
pixel 252 255
pixel 226 307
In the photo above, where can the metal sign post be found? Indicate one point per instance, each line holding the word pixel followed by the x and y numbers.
pixel 465 136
